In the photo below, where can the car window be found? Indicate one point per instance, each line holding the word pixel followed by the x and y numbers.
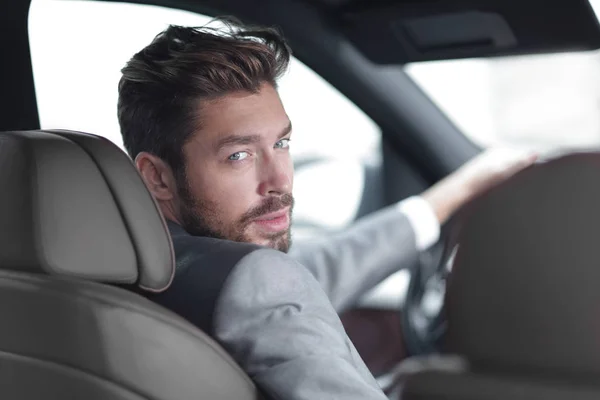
pixel 79 47
pixel 545 102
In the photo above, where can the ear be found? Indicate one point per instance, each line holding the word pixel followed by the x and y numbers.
pixel 157 176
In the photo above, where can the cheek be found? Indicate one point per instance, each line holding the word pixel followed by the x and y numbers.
pixel 291 168
pixel 229 194
pixel 234 200
pixel 288 164
pixel 199 186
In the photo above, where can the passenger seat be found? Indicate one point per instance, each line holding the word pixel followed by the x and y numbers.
pixel 75 217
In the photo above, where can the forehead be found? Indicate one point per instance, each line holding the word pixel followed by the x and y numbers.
pixel 242 113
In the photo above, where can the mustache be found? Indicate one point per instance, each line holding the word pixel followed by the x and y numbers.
pixel 273 204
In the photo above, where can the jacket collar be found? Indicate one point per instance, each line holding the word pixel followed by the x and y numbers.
pixel 175 229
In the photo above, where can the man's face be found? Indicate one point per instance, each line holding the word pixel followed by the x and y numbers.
pixel 239 172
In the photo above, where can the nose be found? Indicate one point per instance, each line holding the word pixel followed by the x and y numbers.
pixel 276 176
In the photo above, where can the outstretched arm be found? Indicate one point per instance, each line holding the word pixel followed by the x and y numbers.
pixel 349 264
pixel 352 262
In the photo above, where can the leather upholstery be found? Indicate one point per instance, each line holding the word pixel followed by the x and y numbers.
pixel 523 303
pixel 72 211
pixel 523 293
pixel 442 385
pixel 66 339
pixel 74 205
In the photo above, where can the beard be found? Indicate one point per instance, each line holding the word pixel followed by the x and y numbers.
pixel 202 218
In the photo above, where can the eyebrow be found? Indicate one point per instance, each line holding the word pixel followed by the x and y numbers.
pixel 232 140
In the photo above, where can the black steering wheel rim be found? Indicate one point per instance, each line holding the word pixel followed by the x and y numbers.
pixel 422 329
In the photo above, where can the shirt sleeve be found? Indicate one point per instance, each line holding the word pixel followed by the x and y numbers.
pixel 423 220
pixel 351 262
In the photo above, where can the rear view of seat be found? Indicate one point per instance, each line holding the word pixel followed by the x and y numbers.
pixel 523 300
pixel 74 217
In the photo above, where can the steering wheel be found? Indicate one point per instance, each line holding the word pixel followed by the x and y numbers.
pixel 422 316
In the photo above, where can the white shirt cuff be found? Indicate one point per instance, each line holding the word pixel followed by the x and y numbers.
pixel 423 220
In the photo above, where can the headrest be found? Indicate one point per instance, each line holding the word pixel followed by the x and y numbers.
pixel 73 204
pixel 524 293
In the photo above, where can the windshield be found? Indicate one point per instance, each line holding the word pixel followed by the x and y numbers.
pixel 545 102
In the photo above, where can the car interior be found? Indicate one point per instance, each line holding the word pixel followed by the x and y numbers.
pixel 71 334
pixel 80 230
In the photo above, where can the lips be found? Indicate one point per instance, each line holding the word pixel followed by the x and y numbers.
pixel 274 222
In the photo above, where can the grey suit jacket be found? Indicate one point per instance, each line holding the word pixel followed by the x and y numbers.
pixel 275 313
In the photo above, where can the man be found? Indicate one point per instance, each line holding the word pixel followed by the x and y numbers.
pixel 201 116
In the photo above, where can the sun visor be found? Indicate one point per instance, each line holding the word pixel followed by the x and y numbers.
pixel 403 32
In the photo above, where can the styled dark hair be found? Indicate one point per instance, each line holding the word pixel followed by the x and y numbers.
pixel 162 86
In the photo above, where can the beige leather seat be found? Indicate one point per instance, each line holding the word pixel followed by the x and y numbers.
pixel 75 216
pixel 523 301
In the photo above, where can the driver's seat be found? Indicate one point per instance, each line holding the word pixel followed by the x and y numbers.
pixel 74 216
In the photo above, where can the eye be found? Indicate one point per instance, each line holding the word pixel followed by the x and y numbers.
pixel 240 155
pixel 283 144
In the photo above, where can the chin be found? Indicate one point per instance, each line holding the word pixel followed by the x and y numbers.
pixel 280 242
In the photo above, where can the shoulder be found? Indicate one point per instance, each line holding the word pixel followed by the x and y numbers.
pixel 265 277
pixel 270 264
pixel 203 265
